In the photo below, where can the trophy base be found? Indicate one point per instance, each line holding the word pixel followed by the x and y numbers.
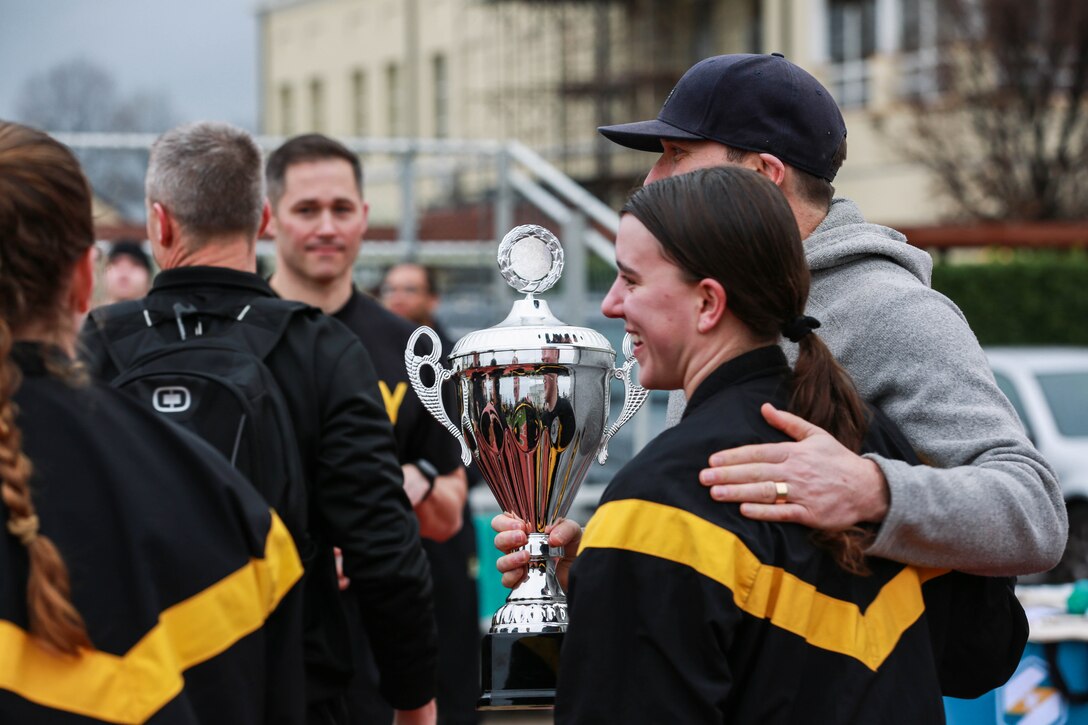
pixel 519 670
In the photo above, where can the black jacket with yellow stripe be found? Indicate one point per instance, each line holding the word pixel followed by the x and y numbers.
pixel 684 611
pixel 182 574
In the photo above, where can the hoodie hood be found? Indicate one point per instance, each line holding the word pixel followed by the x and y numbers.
pixel 844 237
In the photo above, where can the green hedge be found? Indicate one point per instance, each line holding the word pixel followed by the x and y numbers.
pixel 1015 298
pixel 1022 298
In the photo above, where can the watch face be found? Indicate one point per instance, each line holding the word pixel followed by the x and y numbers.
pixel 427 469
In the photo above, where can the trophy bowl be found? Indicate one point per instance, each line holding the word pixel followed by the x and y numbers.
pixel 533 397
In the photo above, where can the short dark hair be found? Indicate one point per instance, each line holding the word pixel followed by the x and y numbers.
pixel 813 189
pixel 304 148
pixel 131 249
pixel 430 276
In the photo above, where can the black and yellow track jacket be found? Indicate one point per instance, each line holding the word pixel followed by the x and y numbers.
pixel 180 571
pixel 684 611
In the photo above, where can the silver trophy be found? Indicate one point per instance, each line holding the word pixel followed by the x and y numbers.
pixel 534 400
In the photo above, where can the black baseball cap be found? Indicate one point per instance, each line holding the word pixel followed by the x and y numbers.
pixel 132 250
pixel 761 103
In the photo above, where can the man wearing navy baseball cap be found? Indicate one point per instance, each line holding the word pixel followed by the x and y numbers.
pixel 760 111
pixel 907 347
pixel 989 503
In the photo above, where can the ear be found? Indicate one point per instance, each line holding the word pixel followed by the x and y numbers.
pixel 266 220
pixel 160 229
pixel 82 287
pixel 366 218
pixel 772 167
pixel 712 304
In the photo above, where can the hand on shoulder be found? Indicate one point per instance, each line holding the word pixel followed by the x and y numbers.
pixel 815 481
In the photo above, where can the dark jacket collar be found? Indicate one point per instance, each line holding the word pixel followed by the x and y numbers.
pixel 760 362
pixel 353 301
pixel 38 359
pixel 211 277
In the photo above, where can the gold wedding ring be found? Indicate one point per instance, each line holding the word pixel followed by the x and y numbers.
pixel 781 492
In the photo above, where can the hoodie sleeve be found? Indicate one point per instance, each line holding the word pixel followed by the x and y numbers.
pixel 989 503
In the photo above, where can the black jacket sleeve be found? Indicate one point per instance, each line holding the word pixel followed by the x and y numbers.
pixel 359 494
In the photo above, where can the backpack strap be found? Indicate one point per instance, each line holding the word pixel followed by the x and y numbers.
pixel 117 324
pixel 124 327
pixel 265 320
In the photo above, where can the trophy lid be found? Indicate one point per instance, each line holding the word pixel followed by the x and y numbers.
pixel 531 260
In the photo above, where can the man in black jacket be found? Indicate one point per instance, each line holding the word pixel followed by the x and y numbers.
pixel 319 218
pixel 206 208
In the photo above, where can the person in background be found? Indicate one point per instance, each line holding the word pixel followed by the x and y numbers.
pixel 319 219
pixel 206 208
pixel 128 272
pixel 124 535
pixel 411 291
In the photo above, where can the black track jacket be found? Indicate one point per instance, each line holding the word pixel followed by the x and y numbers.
pixel 175 564
pixel 684 611
pixel 356 497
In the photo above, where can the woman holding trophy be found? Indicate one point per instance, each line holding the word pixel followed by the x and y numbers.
pixel 681 609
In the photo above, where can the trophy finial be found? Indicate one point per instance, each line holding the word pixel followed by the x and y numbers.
pixel 530 258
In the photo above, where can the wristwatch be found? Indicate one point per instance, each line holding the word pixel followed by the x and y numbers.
pixel 429 472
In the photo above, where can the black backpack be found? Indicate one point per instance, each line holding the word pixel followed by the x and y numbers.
pixel 205 370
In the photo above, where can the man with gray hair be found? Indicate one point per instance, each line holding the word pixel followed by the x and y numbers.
pixel 206 208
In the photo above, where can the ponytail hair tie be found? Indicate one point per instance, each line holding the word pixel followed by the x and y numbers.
pixel 799 327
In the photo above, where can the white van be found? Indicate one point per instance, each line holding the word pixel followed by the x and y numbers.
pixel 1048 386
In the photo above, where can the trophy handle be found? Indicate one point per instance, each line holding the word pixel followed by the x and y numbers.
pixel 634 395
pixel 431 397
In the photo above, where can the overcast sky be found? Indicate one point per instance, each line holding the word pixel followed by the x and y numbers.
pixel 201 54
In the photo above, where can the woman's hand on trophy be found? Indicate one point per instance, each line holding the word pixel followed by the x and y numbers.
pixel 426 715
pixel 568 534
pixel 512 533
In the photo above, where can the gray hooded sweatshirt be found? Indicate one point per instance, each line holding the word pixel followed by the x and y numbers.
pixel 990 504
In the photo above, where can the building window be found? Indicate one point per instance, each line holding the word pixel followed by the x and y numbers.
pixel 919 59
pixel 851 43
pixel 317 105
pixel 393 99
pixel 754 35
pixel 359 119
pixel 441 96
pixel 287 120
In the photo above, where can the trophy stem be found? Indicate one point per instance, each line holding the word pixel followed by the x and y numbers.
pixel 537 604
pixel 520 656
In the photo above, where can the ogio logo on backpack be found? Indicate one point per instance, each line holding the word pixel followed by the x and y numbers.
pixel 173 399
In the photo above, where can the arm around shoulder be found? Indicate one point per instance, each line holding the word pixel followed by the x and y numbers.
pixel 988 503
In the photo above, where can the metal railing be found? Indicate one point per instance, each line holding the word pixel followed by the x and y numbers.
pixel 510 172
pixel 408 175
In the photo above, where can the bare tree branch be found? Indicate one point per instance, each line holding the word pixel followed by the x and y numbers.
pixel 1008 136
pixel 78 95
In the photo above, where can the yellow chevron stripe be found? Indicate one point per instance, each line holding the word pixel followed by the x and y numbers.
pixel 764 591
pixel 132 688
pixel 393 399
